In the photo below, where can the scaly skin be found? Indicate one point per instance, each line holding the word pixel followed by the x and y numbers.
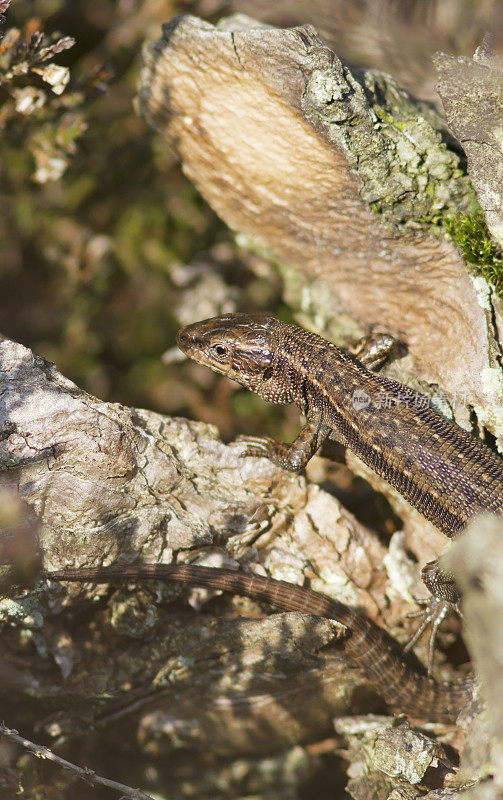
pixel 444 472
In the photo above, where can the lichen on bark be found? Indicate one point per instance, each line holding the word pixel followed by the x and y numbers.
pixel 409 170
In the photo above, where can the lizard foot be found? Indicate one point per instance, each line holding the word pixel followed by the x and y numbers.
pixel 434 611
pixel 284 455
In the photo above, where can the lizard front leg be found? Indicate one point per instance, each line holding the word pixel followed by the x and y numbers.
pixel 373 350
pixel 292 456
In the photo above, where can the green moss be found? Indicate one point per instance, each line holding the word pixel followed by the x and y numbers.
pixel 471 234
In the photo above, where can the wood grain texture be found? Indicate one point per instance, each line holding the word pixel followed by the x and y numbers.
pixel 232 102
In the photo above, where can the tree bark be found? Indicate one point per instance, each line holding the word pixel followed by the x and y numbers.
pixel 472 96
pixel 112 484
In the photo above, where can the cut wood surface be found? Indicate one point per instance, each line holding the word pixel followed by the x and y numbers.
pixel 323 166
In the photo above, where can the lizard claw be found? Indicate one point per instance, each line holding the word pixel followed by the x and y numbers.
pixel 284 455
pixel 259 446
pixel 434 611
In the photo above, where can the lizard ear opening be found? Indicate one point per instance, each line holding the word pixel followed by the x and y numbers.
pixel 268 373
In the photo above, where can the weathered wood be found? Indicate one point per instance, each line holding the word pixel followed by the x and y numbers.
pixel 112 484
pixel 337 173
pixel 472 96
pixel 476 559
pixel 116 484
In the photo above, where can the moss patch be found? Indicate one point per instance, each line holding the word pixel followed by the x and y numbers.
pixel 472 236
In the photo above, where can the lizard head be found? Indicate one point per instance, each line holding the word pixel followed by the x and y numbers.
pixel 240 346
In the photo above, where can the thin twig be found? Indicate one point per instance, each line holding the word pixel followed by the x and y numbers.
pixel 84 773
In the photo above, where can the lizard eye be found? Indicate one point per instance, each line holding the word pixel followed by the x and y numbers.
pixel 219 351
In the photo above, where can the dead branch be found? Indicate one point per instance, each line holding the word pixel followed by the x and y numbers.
pixel 84 773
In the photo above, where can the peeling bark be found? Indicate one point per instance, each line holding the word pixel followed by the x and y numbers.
pixel 472 95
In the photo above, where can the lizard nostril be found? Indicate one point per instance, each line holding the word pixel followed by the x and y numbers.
pixel 182 338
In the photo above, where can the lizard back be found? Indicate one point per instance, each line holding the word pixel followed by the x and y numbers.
pixel 442 470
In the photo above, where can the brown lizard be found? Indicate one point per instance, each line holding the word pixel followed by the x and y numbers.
pixel 443 471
